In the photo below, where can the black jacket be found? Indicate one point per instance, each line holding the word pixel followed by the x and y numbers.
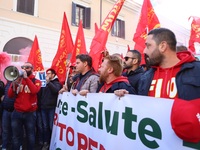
pixel 47 96
pixel 8 103
pixel 134 76
pixel 119 83
pixel 118 86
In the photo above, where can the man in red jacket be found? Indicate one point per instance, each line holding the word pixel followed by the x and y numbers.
pixel 111 78
pixel 25 89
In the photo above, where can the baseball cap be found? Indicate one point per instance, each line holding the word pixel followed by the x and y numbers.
pixel 185 119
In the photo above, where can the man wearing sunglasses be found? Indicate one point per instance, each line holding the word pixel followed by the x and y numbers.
pixel 133 68
pixel 24 115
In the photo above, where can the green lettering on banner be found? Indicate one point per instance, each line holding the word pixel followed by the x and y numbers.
pixel 128 119
pixel 65 108
pixel 92 117
pixel 156 132
pixel 100 120
pixel 82 111
pixel 59 103
pixel 114 124
pixel 191 145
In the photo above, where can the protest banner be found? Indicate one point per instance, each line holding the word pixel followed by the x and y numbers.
pixel 105 122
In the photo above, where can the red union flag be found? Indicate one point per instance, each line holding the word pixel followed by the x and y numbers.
pixel 65 47
pixel 101 36
pixel 79 47
pixel 148 21
pixel 35 57
pixel 195 32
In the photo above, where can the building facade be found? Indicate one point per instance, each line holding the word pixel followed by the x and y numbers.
pixel 21 20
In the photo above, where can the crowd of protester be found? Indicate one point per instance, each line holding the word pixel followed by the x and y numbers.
pixel 28 108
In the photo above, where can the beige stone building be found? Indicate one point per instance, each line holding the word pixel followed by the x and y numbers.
pixel 21 20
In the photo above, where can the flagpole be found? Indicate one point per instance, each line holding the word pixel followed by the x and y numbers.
pixel 100 12
pixel 67 73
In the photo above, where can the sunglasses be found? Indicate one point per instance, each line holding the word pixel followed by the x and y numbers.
pixel 26 67
pixel 127 58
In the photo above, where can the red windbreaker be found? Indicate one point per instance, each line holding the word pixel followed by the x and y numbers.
pixel 26 99
pixel 163 84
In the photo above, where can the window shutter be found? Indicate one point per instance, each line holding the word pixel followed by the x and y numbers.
pixel 29 7
pixel 122 29
pixel 26 6
pixel 20 5
pixel 73 14
pixel 87 18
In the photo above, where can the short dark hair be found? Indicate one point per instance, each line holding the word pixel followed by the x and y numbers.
pixel 136 54
pixel 85 58
pixel 164 34
pixel 30 64
pixel 181 48
pixel 52 70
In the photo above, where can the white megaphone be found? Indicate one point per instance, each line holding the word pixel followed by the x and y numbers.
pixel 11 73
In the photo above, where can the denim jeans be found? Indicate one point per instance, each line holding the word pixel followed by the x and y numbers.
pixel 28 121
pixel 39 127
pixel 6 129
pixel 47 119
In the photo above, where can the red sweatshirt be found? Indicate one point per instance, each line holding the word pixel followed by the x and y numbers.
pixel 26 100
pixel 163 83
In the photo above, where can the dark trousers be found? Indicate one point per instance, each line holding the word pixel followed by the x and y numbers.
pixel 28 121
pixel 6 129
pixel 47 119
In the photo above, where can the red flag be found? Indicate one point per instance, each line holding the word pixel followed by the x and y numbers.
pixel 35 56
pixel 96 27
pixel 80 47
pixel 148 21
pixel 195 32
pixel 128 48
pixel 100 38
pixel 65 47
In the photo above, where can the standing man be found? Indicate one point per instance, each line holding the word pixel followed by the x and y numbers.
pixel 87 80
pixel 134 71
pixel 171 74
pixel 47 97
pixel 25 90
pixel 110 76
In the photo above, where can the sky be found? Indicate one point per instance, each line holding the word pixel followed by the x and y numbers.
pixel 176 10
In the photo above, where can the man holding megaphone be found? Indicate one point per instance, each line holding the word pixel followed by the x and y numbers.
pixel 25 88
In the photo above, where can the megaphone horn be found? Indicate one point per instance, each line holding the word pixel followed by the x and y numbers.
pixel 11 73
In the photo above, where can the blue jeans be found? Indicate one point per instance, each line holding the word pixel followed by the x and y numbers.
pixel 47 119
pixel 28 121
pixel 6 129
pixel 39 127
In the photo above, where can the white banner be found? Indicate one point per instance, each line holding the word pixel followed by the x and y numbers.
pixel 103 121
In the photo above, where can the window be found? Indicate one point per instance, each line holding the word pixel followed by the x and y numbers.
pixel 118 29
pixel 26 6
pixel 81 13
pixel 18 48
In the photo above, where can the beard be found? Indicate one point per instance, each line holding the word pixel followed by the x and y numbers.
pixel 125 66
pixel 155 60
pixel 103 77
pixel 29 73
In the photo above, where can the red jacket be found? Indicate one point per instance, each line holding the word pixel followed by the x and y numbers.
pixel 26 99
